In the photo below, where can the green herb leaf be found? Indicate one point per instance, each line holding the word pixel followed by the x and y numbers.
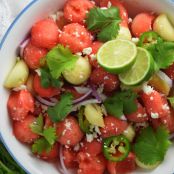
pixel 121 103
pixel 151 147
pixel 37 127
pixel 61 109
pixel 109 32
pixel 60 59
pixel 104 21
pixel 50 135
pixel 47 80
pixel 41 145
pixel 171 100
pixel 163 53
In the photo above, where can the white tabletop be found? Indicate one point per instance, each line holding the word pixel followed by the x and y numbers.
pixel 8 11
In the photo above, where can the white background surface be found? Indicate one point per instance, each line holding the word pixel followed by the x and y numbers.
pixel 8 11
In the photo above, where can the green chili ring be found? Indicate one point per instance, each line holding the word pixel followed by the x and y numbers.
pixel 115 144
pixel 149 36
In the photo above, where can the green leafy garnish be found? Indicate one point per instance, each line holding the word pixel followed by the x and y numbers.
pixel 60 59
pixel 171 100
pixel 121 103
pixel 62 108
pixel 47 80
pixel 105 22
pixel 162 52
pixel 48 136
pixel 41 145
pixel 151 146
pixel 37 126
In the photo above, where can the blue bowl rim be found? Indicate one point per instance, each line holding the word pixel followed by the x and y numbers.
pixel 1 45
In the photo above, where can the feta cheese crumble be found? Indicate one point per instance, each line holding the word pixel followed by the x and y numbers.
pixel 87 51
pixel 154 115
pixel 147 89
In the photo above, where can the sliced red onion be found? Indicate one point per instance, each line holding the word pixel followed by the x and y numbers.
pixel 83 97
pixel 82 90
pixel 65 170
pixel 45 102
pixel 22 46
pixel 54 100
pixel 95 93
pixel 83 103
pixel 165 77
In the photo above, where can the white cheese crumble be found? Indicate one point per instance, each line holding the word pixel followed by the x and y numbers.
pixel 22 87
pixel 38 72
pixel 87 51
pixel 68 125
pixel 123 118
pixel 79 54
pixel 154 115
pixel 109 4
pixel 165 107
pixel 59 14
pixel 89 138
pixel 77 147
pixel 135 40
pixel 130 20
pixel 93 57
pixel 147 89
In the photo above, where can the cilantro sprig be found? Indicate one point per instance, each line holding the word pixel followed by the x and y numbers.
pixel 48 136
pixel 105 22
pixel 162 51
pixel 59 59
pixel 62 108
pixel 121 103
pixel 151 146
pixel 47 80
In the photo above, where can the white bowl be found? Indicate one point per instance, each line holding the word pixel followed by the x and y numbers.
pixel 36 10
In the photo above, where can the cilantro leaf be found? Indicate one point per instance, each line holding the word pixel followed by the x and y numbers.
pixel 104 21
pixel 109 32
pixel 151 146
pixel 41 145
pixel 163 53
pixel 61 109
pixel 50 135
pixel 121 103
pixel 171 100
pixel 37 127
pixel 60 59
pixel 47 80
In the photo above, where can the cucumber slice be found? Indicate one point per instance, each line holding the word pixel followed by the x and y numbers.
pixel 18 75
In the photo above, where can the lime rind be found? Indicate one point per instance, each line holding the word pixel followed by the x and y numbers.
pixel 141 71
pixel 117 56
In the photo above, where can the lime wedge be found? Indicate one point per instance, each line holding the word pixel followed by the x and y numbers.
pixel 141 71
pixel 117 56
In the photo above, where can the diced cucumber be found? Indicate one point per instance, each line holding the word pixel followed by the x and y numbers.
pixel 129 133
pixel 18 75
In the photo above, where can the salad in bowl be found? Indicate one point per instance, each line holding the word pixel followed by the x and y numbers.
pixel 92 89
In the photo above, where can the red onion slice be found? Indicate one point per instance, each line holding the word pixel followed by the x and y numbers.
pixel 83 103
pixel 65 170
pixel 166 78
pixel 22 46
pixel 83 97
pixel 82 90
pixel 95 93
pixel 45 102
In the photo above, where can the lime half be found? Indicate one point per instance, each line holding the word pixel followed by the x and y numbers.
pixel 141 71
pixel 117 56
